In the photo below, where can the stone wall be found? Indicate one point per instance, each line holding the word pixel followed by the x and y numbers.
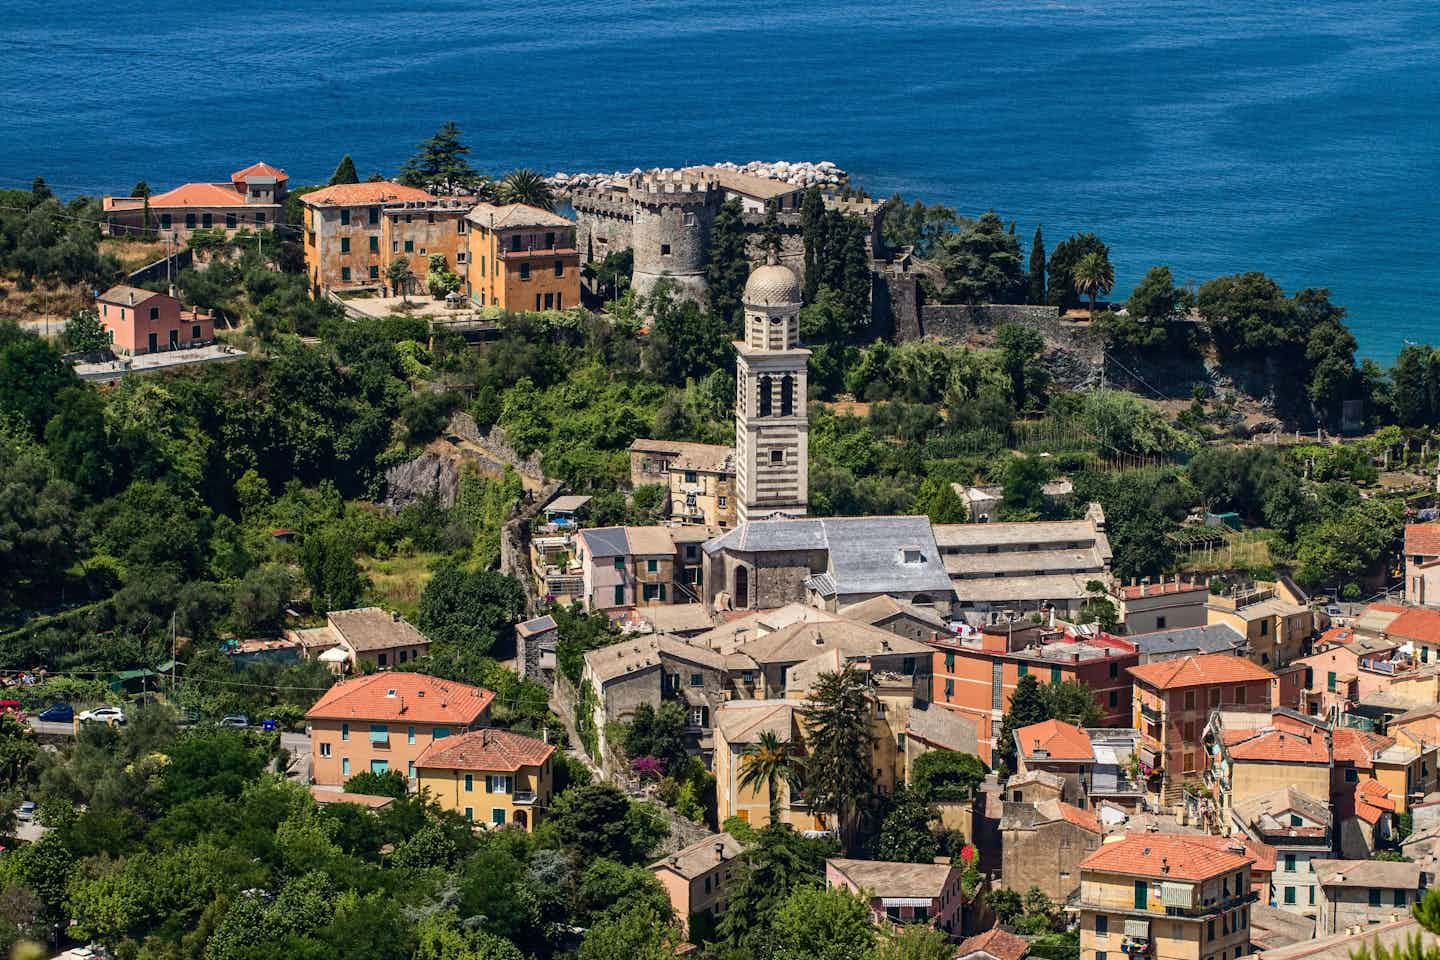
pixel 164 267
pixel 495 449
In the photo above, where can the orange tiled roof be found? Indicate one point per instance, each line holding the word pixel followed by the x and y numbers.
pixel 199 195
pixel 1199 671
pixel 355 194
pixel 1171 856
pixel 1416 624
pixel 1422 539
pixel 1081 818
pixel 1372 801
pixel 1357 747
pixel 1278 746
pixel 412 697
pixel 490 750
pixel 998 943
pixel 259 170
pixel 1059 741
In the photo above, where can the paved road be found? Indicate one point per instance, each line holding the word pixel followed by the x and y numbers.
pixel 51 728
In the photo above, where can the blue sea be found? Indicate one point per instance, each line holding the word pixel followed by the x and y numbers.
pixel 1298 139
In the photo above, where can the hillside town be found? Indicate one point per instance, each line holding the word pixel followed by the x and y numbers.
pixel 707 560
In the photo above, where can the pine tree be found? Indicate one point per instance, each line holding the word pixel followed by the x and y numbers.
pixel 729 265
pixel 1037 267
pixel 345 172
pixel 440 163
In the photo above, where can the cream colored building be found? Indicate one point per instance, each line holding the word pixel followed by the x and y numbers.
pixel 1152 896
pixel 1274 617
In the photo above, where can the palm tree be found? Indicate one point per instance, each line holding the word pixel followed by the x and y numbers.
pixel 769 761
pixel 527 187
pixel 1093 275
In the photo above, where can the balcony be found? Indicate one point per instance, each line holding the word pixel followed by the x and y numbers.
pixel 1137 947
pixel 1151 714
pixel 529 252
pixel 523 797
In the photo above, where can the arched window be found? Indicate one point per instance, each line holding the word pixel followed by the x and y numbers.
pixel 742 587
pixel 787 395
pixel 765 396
pixel 521 819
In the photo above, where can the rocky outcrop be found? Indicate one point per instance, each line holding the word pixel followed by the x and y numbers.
pixel 407 483
pixel 799 173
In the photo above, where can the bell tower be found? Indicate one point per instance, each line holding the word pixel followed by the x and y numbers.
pixel 772 427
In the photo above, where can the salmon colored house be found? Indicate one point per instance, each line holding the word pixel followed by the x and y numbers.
pixel 522 258
pixel 253 199
pixel 385 721
pixel 975 673
pixel 143 321
pixel 489 776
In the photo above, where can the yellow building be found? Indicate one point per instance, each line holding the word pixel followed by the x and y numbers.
pixel 1274 617
pixel 1253 755
pixel 489 776
pixel 1153 896
pixel 522 258
pixel 738 725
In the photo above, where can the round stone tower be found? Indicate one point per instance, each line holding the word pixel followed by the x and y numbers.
pixel 673 215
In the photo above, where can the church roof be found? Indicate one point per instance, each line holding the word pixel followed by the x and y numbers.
pixel 772 285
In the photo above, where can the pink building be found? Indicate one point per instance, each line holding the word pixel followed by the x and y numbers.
pixel 252 199
pixel 142 321
pixel 1422 563
pixel 903 893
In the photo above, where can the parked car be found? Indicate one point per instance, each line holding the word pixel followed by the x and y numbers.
pixel 60 712
pixel 111 715
pixel 26 810
pixel 1334 611
pixel 238 720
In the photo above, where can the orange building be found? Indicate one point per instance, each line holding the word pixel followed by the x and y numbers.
pixel 385 721
pixel 975 673
pixel 522 258
pixel 252 199
pixel 143 321
pixel 489 776
pixel 1172 703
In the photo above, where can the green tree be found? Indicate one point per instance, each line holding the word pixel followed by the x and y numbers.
pixel 1249 315
pixel 728 264
pixel 469 610
pixel 1329 354
pixel 599 821
pixel 637 934
pixel 905 831
pixel 1411 377
pixel 440 280
pixel 915 942
pixel 1035 279
pixel 1093 277
pixel 1027 705
pixel 328 559
pixel 823 924
pixel 981 262
pixel 658 733
pixel 38 525
pixel 1156 298
pixel 686 342
pixel 398 275
pixel 1024 489
pixel 780 861
pixel 527 187
pixel 440 164
pixel 344 172
pixel 32 374
pixel 838 772
pixel 946 775
pixel 768 762
pixel 83 333
pixel 392 783
pixel 1020 348
pixel 1069 252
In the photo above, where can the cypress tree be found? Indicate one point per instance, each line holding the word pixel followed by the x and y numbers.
pixel 345 172
pixel 812 226
pixel 729 266
pixel 1037 267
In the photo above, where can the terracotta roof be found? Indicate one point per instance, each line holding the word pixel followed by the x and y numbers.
pixel 259 170
pixel 515 215
pixel 1054 740
pixel 995 942
pixel 127 296
pixel 1422 539
pixel 1167 856
pixel 700 857
pixel 1278 746
pixel 1071 814
pixel 414 697
pixel 1416 624
pixel 322 795
pixel 355 194
pixel 486 749
pixel 1199 671
pixel 1136 591
pixel 1357 747
pixel 889 878
pixel 1372 801
pixel 199 195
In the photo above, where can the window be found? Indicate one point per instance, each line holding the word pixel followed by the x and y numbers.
pixel 1114 671
pixel 165 221
pixel 619 593
pixel 1399 898
pixel 652 566
pixel 1102 925
pixel 409 734
pixel 949 688
pixel 189 221
pixel 1351 775
pixel 908 666
pixel 1289 863
pixel 1330 681
pixel 409 246
pixel 195 331
pixel 664 249
pixel 497 816
pixel 470 814
pixel 379 766
pixel 697 680
pixel 1099 955
pixel 1374 896
pixel 688 219
pixel 380 660
pixel 1023 670
pixel 1209 930
pixel 344 731
pixel 324 749
pixel 440 733
pixel 374 243
pixel 259 219
pixel 524 271
pixel 619 563
pixel 344 766
pixel 345 274
pixel 469 783
pixel 949 662
pixel 344 217
pixel 763 385
pixel 1312 896
pixel 374 216
pixel 1189 699
pixel 497 783
pixel 1159 623
pixel 559 268
pixel 1241 695
pixel 1142 894
pixel 208 219
pixel 1264 628
pixel 410 769
pixel 722 501
pixel 374 273
pixel 787 395
pixel 1215 697
pixel 230 221
pixel 1114 699
pixel 1054 674
pixel 379 733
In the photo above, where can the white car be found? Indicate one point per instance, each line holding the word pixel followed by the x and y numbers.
pixel 111 715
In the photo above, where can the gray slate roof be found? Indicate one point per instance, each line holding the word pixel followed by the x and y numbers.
pixel 606 541
pixel 864 552
pixel 1162 644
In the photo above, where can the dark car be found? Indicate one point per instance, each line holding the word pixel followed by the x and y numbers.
pixel 58 713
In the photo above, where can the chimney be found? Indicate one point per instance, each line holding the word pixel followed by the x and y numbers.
pixel 394 616
pixel 1165 865
pixel 172 292
pixel 719 849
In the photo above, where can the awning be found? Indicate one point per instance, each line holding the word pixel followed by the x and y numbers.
pixel 1137 928
pixel 904 901
pixel 1177 894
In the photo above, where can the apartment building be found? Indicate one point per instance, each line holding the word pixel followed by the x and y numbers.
pixel 976 671
pixel 142 321
pixel 362 638
pixel 385 721
pixel 521 258
pixel 1153 895
pixel 698 879
pixel 1095 764
pixel 252 199
pixel 627 567
pixel 1024 567
pixel 903 893
pixel 489 776
pixel 1275 619
pixel 1422 564
pixel 1298 826
pixel 699 476
pixel 1170 604
pixel 1364 893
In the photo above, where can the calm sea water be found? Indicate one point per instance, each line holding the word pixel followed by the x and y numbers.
pixel 1302 140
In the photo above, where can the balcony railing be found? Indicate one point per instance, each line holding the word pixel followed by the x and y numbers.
pixel 1150 713
pixel 523 796
pixel 508 254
